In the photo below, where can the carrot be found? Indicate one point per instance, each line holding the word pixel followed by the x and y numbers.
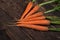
pixel 33 10
pixel 33 16
pixel 41 28
pixel 34 19
pixel 42 22
pixel 36 15
pixel 37 7
pixel 28 8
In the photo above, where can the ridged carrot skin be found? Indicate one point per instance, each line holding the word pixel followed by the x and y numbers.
pixel 34 19
pixel 36 15
pixel 41 28
pixel 28 8
pixel 33 16
pixel 42 22
pixel 36 7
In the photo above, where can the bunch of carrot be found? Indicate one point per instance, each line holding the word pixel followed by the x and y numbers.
pixel 31 18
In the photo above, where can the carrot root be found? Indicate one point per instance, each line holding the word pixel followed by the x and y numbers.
pixel 33 11
pixel 41 28
pixel 36 15
pixel 42 22
pixel 29 6
pixel 34 19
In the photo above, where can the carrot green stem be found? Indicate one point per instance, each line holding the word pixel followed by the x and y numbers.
pixel 47 2
pixel 55 22
pixel 53 18
pixel 49 11
pixel 54 9
pixel 33 0
pixel 54 29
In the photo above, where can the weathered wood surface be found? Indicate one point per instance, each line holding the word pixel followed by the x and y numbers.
pixel 12 10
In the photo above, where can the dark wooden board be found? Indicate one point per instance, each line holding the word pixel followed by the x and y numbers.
pixel 12 10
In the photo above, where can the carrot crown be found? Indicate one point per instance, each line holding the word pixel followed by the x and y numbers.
pixel 33 0
pixel 54 29
pixel 53 18
pixel 54 9
pixel 48 2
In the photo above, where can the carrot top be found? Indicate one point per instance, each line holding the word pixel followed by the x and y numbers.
pixel 54 9
pixel 51 1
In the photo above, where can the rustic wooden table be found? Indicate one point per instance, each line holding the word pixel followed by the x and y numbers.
pixel 12 10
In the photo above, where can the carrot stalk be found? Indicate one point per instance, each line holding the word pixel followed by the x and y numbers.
pixel 42 22
pixel 53 18
pixel 55 22
pixel 48 2
pixel 41 28
pixel 54 9
pixel 54 29
pixel 29 6
pixel 33 0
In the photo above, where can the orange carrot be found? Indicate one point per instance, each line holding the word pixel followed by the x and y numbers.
pixel 33 16
pixel 41 28
pixel 42 22
pixel 33 10
pixel 34 19
pixel 28 8
pixel 36 15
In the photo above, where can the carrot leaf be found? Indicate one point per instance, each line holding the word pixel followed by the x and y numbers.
pixel 54 29
pixel 55 22
pixel 48 2
pixel 33 0
pixel 54 9
pixel 53 18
